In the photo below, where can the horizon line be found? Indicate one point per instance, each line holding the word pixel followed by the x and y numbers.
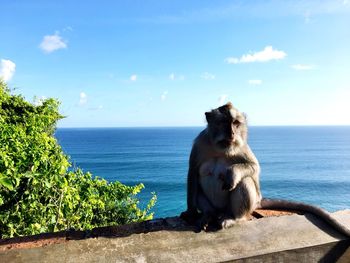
pixel 198 126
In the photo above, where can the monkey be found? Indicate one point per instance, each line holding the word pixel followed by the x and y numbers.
pixel 223 177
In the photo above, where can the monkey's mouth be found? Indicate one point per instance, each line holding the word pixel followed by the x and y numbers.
pixel 225 143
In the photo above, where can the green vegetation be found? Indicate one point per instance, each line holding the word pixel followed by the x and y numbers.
pixel 38 193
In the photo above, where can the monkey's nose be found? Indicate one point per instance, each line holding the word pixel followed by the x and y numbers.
pixel 231 138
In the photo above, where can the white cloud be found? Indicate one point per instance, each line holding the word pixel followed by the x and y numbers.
pixel 255 81
pixel 222 99
pixel 261 56
pixel 133 77
pixel 302 67
pixel 207 76
pixel 232 60
pixel 82 99
pixel 7 69
pixel 53 42
pixel 164 95
pixel 173 76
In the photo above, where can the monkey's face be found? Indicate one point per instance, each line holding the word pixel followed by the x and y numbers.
pixel 227 127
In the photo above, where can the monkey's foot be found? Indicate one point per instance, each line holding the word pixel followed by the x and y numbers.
pixel 208 223
pixel 227 223
pixel 204 222
pixel 191 217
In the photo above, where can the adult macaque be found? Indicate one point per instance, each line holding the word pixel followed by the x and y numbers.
pixel 223 177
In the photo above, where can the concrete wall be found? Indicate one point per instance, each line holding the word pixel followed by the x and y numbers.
pixel 290 238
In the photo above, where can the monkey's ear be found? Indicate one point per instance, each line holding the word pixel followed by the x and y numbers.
pixel 209 116
pixel 229 105
pixel 224 108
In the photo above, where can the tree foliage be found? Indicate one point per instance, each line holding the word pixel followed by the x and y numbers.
pixel 38 191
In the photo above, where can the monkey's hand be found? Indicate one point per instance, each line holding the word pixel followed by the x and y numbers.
pixel 230 180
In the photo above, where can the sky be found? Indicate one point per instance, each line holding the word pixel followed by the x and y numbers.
pixel 164 63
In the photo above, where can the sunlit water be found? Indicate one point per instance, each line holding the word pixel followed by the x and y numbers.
pixel 310 164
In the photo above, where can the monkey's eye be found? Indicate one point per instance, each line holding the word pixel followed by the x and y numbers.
pixel 236 123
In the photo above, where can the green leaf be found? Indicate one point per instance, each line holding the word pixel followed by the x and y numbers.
pixel 6 182
pixel 47 184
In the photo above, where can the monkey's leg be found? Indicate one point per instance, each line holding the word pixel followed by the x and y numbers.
pixel 203 215
pixel 243 201
pixel 208 212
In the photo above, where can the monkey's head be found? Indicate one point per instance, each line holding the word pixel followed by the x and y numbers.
pixel 227 127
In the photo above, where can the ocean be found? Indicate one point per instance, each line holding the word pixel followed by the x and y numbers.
pixel 309 164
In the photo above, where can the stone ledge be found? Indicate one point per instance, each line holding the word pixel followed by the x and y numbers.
pixel 170 223
pixel 268 239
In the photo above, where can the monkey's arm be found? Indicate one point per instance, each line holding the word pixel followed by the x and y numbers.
pixel 191 214
pixel 245 165
pixel 192 181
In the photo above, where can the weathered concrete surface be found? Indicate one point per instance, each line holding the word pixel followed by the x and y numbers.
pixel 292 238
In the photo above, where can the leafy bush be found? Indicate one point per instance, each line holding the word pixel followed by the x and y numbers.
pixel 38 193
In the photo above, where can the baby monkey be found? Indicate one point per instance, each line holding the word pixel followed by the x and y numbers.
pixel 223 177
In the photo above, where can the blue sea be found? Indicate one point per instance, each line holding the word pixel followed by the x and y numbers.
pixel 310 164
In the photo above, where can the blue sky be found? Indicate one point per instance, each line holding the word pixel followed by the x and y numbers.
pixel 164 63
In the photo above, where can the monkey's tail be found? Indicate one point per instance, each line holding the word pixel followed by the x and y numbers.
pixel 278 204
